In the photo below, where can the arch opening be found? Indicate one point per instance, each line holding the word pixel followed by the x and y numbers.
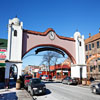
pixel 13 72
pixel 54 46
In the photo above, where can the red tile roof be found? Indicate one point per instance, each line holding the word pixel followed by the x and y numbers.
pixel 92 38
pixel 46 32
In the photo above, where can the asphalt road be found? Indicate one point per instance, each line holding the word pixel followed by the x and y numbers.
pixel 59 91
pixel 55 91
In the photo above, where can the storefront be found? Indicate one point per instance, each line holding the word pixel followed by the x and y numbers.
pixel 2 70
pixel 2 64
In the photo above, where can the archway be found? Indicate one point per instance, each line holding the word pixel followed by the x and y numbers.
pixel 21 41
pixel 93 66
pixel 92 57
pixel 13 72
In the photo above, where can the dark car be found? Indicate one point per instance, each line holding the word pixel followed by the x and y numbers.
pixel 49 78
pixel 69 81
pixel 95 87
pixel 35 86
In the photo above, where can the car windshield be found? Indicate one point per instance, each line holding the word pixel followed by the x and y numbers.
pixel 27 78
pixel 45 75
pixel 36 81
pixel 67 78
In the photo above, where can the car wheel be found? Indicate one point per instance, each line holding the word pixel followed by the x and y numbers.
pixel 68 83
pixel 94 90
pixel 63 82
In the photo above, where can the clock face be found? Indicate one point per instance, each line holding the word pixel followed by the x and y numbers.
pixel 52 35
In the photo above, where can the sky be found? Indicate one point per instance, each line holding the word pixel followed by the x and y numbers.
pixel 64 16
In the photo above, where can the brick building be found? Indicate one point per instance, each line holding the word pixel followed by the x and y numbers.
pixel 92 52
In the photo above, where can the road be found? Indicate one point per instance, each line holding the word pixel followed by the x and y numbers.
pixel 59 91
pixel 55 91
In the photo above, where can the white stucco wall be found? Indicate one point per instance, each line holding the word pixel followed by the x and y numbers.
pixel 80 58
pixel 84 72
pixel 75 71
pixel 14 48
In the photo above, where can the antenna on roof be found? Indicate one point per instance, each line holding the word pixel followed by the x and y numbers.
pixel 89 35
pixel 99 30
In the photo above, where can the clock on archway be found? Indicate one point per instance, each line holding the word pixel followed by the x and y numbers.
pixel 52 35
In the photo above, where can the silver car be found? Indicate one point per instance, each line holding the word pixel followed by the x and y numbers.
pixel 69 81
pixel 95 87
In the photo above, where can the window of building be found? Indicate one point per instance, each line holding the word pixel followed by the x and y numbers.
pixel 91 68
pixel 58 74
pixel 97 44
pixel 65 73
pixel 89 46
pixel 92 45
pixel 94 67
pixel 98 58
pixel 15 32
pixel 89 55
pixel 86 57
pixel 86 47
pixel 99 68
pixel 80 43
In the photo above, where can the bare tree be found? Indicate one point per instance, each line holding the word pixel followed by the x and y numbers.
pixel 50 58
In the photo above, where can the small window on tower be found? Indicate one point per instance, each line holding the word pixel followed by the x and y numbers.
pixel 80 43
pixel 15 33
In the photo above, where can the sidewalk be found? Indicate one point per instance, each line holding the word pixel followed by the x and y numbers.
pixel 13 94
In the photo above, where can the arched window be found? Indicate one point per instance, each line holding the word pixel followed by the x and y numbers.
pixel 15 32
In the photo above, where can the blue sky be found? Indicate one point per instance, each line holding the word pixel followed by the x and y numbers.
pixel 64 16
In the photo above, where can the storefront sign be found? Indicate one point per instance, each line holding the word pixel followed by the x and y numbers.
pixel 2 53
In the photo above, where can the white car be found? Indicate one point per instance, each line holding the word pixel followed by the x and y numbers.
pixel 44 77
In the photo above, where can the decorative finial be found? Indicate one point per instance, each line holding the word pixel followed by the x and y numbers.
pixel 99 30
pixel 76 30
pixel 16 16
pixel 89 35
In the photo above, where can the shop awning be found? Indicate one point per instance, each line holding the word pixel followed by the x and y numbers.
pixel 2 64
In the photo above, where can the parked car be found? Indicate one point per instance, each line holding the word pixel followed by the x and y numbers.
pixel 35 86
pixel 40 76
pixel 49 78
pixel 44 77
pixel 95 87
pixel 54 78
pixel 69 81
pixel 26 80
